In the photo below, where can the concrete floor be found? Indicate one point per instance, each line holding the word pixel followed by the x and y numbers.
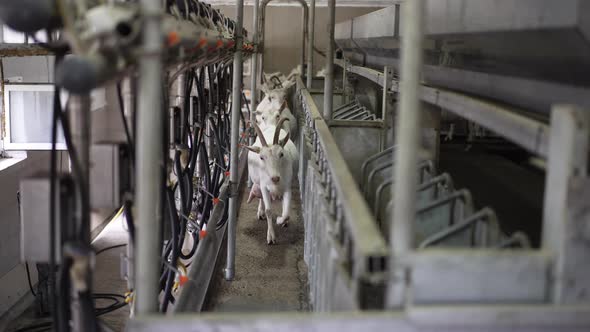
pixel 268 278
pixel 107 279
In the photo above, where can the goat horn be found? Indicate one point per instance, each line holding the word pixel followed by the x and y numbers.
pixel 278 131
pixel 283 107
pixel 260 135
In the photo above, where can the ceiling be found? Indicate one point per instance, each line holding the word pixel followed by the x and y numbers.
pixel 319 3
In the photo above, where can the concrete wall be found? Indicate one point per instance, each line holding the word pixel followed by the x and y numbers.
pixel 283 33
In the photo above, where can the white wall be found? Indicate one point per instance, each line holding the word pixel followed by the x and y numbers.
pixel 106 125
pixel 283 33
pixel 13 280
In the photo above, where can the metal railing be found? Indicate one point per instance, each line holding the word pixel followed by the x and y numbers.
pixel 439 207
pixel 353 111
pixel 344 249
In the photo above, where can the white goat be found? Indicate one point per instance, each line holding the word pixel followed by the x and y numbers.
pixel 278 79
pixel 272 112
pixel 274 104
pixel 271 170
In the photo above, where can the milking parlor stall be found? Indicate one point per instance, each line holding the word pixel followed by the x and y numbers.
pixel 295 165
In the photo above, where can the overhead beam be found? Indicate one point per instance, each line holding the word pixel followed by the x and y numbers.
pixel 319 3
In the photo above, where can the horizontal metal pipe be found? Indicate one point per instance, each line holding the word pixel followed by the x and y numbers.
pixel 186 44
pixel 509 122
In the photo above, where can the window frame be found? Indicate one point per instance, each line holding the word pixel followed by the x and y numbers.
pixel 8 145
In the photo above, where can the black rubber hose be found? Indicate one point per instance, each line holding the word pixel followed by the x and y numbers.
pixel 183 193
pixel 124 121
pixel 207 178
pixel 129 218
pixel 88 313
pixel 171 273
pixel 64 313
pixel 84 231
pixel 217 135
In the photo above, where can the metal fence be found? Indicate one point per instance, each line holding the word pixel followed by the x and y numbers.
pixel 445 216
pixel 344 249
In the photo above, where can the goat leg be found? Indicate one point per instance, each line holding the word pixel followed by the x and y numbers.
pixel 270 232
pixel 261 213
pixel 283 220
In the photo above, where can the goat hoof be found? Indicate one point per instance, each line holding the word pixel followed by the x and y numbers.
pixel 283 221
pixel 270 238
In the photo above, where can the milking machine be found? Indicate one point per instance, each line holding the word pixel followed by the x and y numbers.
pixel 167 176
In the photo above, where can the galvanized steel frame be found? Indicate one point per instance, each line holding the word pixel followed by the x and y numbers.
pixel 351 230
pixel 429 307
pixel 425 305
pixel 529 133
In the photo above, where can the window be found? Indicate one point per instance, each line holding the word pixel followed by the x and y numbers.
pixel 28 117
pixel 9 36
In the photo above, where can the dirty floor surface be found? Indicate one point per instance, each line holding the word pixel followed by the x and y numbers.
pixel 267 278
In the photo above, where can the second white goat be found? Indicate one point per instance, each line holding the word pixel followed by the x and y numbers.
pixel 273 108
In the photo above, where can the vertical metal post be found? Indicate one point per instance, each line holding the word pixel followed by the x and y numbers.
pixel 329 79
pixel 304 26
pixel 235 127
pixel 311 37
pixel 387 76
pixel 149 159
pixel 565 235
pixel 262 36
pixel 180 93
pixel 406 156
pixel 254 69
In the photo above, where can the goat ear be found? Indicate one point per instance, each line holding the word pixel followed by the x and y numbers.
pixel 254 149
pixel 288 84
pixel 285 140
pixel 264 88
